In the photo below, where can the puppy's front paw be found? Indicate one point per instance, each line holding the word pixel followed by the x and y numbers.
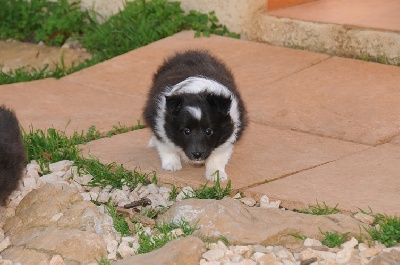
pixel 171 163
pixel 213 176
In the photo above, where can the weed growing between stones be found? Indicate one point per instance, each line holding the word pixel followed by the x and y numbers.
pixel 386 231
pixel 333 239
pixel 54 145
pixel 118 220
pixel 320 209
pixel 163 234
pixel 112 175
pixel 216 192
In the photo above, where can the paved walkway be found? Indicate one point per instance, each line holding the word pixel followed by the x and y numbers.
pixel 322 128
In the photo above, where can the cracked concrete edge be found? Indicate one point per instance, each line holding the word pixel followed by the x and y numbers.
pixel 339 40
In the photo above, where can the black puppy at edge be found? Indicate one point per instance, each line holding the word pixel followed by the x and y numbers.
pixel 195 112
pixel 12 153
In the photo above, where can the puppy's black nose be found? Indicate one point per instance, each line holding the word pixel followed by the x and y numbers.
pixel 197 155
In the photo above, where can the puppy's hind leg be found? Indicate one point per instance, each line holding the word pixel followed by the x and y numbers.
pixel 217 161
pixel 169 154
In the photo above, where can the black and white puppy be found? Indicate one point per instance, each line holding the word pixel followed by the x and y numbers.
pixel 195 112
pixel 12 153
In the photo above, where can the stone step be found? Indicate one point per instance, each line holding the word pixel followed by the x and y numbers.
pixel 364 29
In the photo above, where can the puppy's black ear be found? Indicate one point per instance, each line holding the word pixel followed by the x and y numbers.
pixel 220 103
pixel 173 104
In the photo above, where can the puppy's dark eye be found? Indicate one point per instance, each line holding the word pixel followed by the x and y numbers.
pixel 186 131
pixel 209 131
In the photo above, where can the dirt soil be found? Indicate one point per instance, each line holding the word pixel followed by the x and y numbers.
pixel 18 54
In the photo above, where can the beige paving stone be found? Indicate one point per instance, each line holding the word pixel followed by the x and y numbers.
pixel 340 98
pixel 52 103
pixel 359 13
pixel 262 154
pixel 252 63
pixel 369 178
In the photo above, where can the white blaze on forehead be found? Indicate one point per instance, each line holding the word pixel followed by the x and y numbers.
pixel 195 112
pixel 198 84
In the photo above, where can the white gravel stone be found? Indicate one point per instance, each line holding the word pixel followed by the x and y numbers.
pixel 144 193
pixel 350 244
pixel 133 196
pixel 63 165
pixel 162 190
pixel 125 250
pixel 185 192
pixel 34 166
pixel 213 254
pixel 103 196
pixel 84 179
pixel 55 217
pixel 57 260
pixel 261 249
pixel 308 254
pixel 310 242
pixel 344 255
pixel 112 247
pixel 29 182
pixel 152 188
pixel 118 195
pixel 237 196
pixel 32 173
pixel 257 255
pixel 50 178
pixel 324 255
pixel 248 201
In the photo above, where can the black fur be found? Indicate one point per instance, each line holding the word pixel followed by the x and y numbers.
pixel 12 153
pixel 197 145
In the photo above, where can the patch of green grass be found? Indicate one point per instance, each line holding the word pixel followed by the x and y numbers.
pixel 299 236
pixel 104 261
pixel 52 22
pixel 216 192
pixel 119 222
pixel 48 147
pixel 162 235
pixel 387 230
pixel 141 22
pixel 333 239
pixel 112 174
pixel 153 213
pixel 54 145
pixel 118 129
pixel 320 209
pixel 173 193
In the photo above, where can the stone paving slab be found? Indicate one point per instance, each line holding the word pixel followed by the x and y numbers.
pixel 365 179
pixel 252 63
pixel 263 154
pixel 376 14
pixel 52 103
pixel 341 98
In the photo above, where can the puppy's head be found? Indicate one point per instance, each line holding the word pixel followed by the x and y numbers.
pixel 198 123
